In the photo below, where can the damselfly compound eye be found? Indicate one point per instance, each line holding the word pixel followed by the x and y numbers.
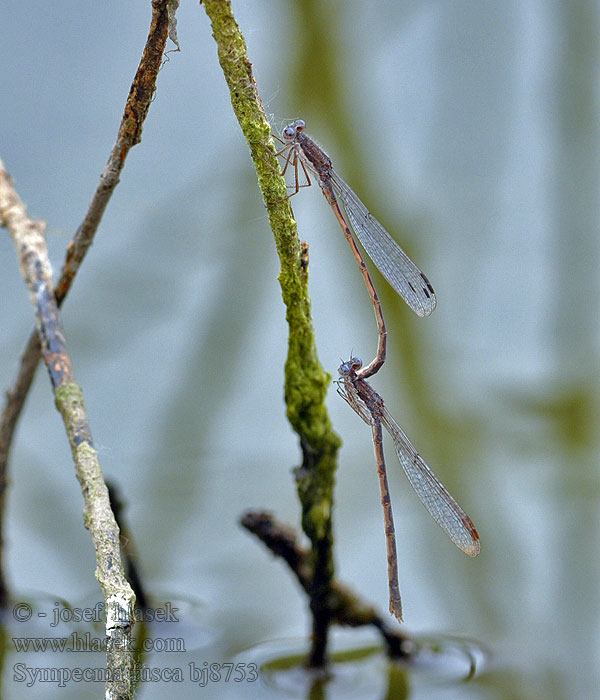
pixel 353 364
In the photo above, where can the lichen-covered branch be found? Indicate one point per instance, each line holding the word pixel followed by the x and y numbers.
pixel 306 382
pixel 130 133
pixel 29 239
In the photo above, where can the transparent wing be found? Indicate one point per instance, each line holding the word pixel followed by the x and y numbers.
pixel 393 263
pixel 433 494
pixel 353 400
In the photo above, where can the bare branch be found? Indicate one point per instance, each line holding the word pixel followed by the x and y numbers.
pixel 29 240
pixel 130 133
pixel 346 607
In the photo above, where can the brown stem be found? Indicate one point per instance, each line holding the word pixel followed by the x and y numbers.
pixel 130 132
pixel 345 606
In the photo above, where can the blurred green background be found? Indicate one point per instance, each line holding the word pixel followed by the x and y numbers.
pixel 471 130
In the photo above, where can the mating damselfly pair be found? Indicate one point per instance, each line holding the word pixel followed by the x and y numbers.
pixel 301 152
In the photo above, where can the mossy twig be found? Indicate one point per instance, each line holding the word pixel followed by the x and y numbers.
pixel 306 382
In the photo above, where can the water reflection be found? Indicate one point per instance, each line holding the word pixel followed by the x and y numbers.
pixel 436 664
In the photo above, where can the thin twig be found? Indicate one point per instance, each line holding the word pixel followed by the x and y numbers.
pixel 306 382
pixel 130 557
pixel 130 133
pixel 346 607
pixel 29 240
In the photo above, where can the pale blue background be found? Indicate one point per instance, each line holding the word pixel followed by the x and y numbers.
pixel 471 129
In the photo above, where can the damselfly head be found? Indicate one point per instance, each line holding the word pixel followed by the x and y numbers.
pixel 290 131
pixel 352 365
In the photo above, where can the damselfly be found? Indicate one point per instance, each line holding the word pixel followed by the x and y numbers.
pixel 369 405
pixel 393 263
